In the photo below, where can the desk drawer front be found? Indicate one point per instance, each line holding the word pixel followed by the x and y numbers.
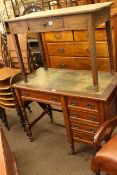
pixel 100 35
pixel 83 103
pixel 19 27
pixel 78 63
pixel 58 36
pixel 40 96
pixel 46 24
pixel 81 136
pixel 76 49
pixel 76 115
pixel 82 126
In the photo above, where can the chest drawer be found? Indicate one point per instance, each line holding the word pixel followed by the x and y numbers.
pixel 76 49
pixel 40 96
pixel 83 127
pixel 46 24
pixel 100 35
pixel 76 115
pixel 79 63
pixel 83 103
pixel 83 137
pixel 58 36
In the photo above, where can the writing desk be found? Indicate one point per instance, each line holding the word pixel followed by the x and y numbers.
pixel 85 17
pixel 84 110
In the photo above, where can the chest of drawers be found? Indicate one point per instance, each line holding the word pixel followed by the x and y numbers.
pixel 70 49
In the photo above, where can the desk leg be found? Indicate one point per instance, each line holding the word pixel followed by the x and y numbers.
pixel 92 49
pixel 19 55
pixel 40 42
pixel 110 46
pixel 67 124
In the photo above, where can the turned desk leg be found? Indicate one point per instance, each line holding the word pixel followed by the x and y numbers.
pixel 110 46
pixel 92 49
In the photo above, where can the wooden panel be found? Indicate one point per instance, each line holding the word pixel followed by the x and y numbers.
pixel 84 126
pixel 76 115
pixel 81 63
pixel 46 24
pixel 58 36
pixel 83 103
pixel 76 49
pixel 19 27
pixel 100 35
pixel 13 54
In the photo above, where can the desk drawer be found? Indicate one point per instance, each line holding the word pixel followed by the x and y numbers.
pixel 80 49
pixel 58 36
pixel 19 27
pixel 100 35
pixel 83 103
pixel 83 137
pixel 78 63
pixel 78 115
pixel 41 97
pixel 46 24
pixel 83 126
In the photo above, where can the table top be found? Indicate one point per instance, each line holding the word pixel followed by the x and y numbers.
pixel 66 81
pixel 64 11
pixel 8 72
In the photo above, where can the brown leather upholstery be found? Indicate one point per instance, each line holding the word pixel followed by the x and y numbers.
pixel 106 158
pixel 7 161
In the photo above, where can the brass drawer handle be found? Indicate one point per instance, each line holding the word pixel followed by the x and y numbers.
pixel 58 36
pixel 92 130
pixel 74 114
pixel 60 50
pixel 74 102
pixel 93 118
pixel 90 106
pixel 62 65
pixel 79 136
pixel 55 99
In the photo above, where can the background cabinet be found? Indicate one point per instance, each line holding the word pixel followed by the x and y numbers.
pixel 70 49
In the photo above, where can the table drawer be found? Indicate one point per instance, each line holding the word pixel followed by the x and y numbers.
pixel 100 35
pixel 83 137
pixel 84 127
pixel 46 24
pixel 74 114
pixel 83 103
pixel 19 27
pixel 58 36
pixel 78 63
pixel 76 49
pixel 40 96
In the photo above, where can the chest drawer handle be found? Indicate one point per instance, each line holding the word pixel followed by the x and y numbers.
pixel 60 50
pixel 62 65
pixel 90 106
pixel 93 118
pixel 55 99
pixel 74 114
pixel 58 36
pixel 79 136
pixel 92 130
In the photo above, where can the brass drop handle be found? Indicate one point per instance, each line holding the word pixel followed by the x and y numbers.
pixel 74 114
pixel 55 99
pixel 58 36
pixel 90 106
pixel 78 126
pixel 62 65
pixel 92 130
pixel 93 118
pixel 60 50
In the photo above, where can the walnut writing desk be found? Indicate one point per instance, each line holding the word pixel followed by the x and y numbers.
pixel 85 17
pixel 84 109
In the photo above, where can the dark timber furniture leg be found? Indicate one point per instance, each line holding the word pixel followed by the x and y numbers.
pixel 40 42
pixel 92 49
pixel 67 124
pixel 19 55
pixel 110 46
